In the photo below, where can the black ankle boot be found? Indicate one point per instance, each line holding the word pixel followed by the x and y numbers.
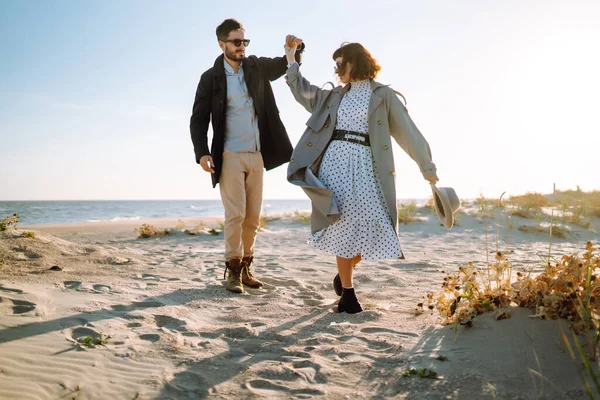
pixel 337 285
pixel 348 302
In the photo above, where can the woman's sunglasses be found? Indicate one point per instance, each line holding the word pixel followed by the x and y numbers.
pixel 338 65
pixel 238 42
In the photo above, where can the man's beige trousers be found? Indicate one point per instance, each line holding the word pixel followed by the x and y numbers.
pixel 241 184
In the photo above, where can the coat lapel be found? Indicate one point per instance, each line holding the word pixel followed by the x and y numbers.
pixel 335 102
pixel 375 100
pixel 249 67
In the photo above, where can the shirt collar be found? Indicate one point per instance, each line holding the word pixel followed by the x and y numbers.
pixel 229 69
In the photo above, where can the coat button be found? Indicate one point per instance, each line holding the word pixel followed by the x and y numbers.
pixel 392 173
pixel 385 147
pixel 309 144
pixel 291 160
pixel 378 122
pixel 326 125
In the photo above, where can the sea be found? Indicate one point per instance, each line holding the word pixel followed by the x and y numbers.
pixel 61 212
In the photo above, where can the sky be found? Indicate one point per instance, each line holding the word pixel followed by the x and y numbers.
pixel 95 97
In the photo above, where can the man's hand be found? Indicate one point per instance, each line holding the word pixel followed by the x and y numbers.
pixel 207 164
pixel 290 46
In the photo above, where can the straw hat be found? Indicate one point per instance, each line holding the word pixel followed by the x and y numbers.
pixel 446 203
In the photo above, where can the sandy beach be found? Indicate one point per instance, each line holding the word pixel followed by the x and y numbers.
pixel 120 317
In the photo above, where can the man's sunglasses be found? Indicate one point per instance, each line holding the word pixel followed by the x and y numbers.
pixel 238 42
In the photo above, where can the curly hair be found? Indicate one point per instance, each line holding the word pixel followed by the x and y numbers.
pixel 364 66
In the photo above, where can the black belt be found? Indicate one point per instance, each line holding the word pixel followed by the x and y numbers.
pixel 351 136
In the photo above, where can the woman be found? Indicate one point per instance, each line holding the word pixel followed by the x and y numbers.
pixel 344 162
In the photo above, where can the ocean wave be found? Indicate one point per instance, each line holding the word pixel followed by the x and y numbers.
pixel 114 219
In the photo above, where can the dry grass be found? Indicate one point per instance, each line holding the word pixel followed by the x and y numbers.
pixel 528 205
pixel 147 230
pixel 407 213
pixel 265 219
pixel 557 230
pixel 299 216
pixel 9 221
pixel 568 288
pixel 196 230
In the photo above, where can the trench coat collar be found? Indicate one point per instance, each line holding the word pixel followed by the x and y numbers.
pixel 376 99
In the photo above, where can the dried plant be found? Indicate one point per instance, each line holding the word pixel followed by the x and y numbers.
pixel 192 231
pixel 9 221
pixel 568 288
pixel 299 216
pixel 147 230
pixel 406 213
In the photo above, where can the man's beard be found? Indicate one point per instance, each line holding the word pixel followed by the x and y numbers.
pixel 234 56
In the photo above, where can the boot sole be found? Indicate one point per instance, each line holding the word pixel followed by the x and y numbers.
pixel 255 286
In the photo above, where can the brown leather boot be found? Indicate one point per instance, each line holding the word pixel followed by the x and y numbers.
pixel 248 278
pixel 234 280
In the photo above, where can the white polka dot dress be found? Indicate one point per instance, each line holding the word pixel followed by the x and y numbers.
pixel 364 226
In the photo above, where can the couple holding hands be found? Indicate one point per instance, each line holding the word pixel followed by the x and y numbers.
pixel 343 161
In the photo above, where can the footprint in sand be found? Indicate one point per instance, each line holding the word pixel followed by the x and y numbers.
pixel 72 285
pixel 268 389
pixel 138 305
pixel 388 331
pixel 309 371
pixel 170 323
pixel 310 298
pixel 150 277
pixel 26 254
pixel 389 345
pixel 71 322
pixel 102 288
pixel 150 337
pixel 281 283
pixel 16 306
pixel 10 290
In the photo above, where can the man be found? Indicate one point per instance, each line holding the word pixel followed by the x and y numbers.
pixel 248 135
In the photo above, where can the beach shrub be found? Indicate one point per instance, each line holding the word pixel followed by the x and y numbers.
pixel 301 216
pixel 406 213
pixel 147 230
pixel 567 289
pixel 30 235
pixel 1 263
pixel 89 341
pixel 484 205
pixel 9 221
pixel 528 205
pixel 192 231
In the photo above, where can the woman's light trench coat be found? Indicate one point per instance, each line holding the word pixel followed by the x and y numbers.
pixel 387 118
